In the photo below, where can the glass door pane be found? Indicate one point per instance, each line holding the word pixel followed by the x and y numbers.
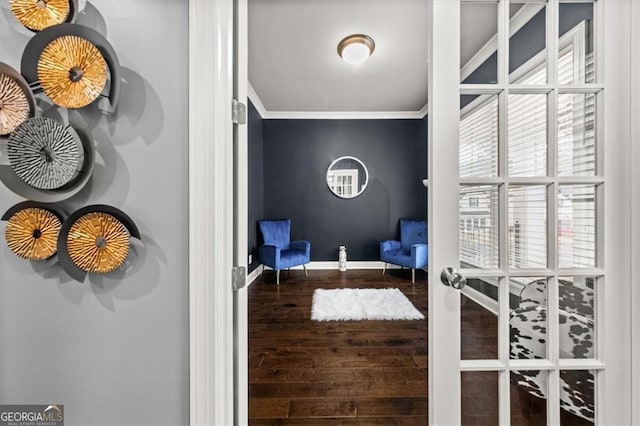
pixel 478 42
pixel 530 196
pixel 527 43
pixel 576 63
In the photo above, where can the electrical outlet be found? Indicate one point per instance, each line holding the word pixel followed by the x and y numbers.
pixel 250 259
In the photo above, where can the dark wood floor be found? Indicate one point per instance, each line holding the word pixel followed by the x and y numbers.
pixel 303 372
pixel 354 372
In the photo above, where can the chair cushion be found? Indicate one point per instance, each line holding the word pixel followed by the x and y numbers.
pixel 412 232
pixel 400 256
pixel 290 257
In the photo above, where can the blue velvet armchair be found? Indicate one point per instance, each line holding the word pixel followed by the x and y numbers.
pixel 278 252
pixel 411 251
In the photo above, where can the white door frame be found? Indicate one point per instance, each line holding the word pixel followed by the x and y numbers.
pixel 613 392
pixel 241 226
pixel 616 331
pixel 211 211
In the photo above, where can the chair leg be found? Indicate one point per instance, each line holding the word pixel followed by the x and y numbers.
pixel 413 276
pixel 288 272
pixel 305 271
pixel 384 268
pixel 278 277
pixel 262 274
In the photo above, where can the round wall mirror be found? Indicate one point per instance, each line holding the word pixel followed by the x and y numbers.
pixel 347 177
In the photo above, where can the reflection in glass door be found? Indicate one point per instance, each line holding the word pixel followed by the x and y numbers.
pixel 531 191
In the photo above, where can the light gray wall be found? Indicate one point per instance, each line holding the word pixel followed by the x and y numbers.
pixel 114 349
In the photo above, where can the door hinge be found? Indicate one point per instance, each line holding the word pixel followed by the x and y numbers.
pixel 238 277
pixel 239 112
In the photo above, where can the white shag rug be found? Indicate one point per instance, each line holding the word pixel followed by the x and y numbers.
pixel 354 304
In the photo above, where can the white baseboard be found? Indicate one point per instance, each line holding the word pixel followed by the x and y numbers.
pixel 354 264
pixel 251 277
pixel 326 265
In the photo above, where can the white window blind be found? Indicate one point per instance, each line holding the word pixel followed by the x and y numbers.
pixel 479 225
pixel 527 156
pixel 479 140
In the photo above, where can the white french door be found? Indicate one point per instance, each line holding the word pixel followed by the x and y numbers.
pixel 529 200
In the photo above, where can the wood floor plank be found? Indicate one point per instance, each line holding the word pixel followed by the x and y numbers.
pixel 386 407
pixel 322 407
pixel 268 408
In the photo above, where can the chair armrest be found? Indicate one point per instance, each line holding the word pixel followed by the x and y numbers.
pixel 389 245
pixel 269 255
pixel 301 245
pixel 419 255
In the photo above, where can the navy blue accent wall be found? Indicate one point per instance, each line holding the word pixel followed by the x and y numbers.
pixel 256 186
pixel 297 154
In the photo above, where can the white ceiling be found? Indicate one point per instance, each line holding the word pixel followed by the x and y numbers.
pixel 294 65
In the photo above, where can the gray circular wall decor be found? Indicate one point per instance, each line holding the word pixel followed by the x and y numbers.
pixel 44 153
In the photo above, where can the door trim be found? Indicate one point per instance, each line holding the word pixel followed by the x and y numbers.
pixel 444 119
pixel 615 331
pixel 210 212
pixel 241 216
pixel 635 213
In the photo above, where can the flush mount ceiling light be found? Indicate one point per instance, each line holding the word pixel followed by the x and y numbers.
pixel 356 48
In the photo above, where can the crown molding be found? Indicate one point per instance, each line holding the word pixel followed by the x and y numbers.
pixel 331 115
pixel 344 115
pixel 255 100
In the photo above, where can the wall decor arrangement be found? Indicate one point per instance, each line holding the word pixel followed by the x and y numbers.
pixel 37 15
pixel 17 103
pixel 32 230
pixel 95 239
pixel 50 161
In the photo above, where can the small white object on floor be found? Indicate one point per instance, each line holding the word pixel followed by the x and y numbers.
pixel 354 304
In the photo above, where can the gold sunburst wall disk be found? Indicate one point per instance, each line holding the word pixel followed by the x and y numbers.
pixel 32 233
pixel 98 243
pixel 40 14
pixel 14 105
pixel 72 71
